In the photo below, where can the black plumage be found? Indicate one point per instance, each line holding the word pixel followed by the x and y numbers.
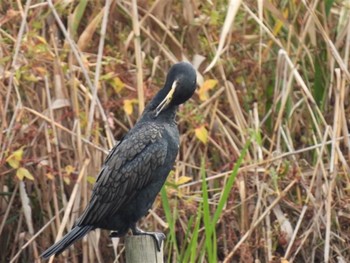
pixel 136 168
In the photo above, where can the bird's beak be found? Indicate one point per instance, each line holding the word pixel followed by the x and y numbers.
pixel 163 105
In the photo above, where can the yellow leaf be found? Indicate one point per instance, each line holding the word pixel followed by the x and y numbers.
pixel 13 163
pixel 14 159
pixel 202 134
pixel 203 90
pixel 40 70
pixel 19 175
pixel 118 84
pixel 41 39
pixel 91 179
pixel 128 106
pixel 209 84
pixel 69 169
pixel 31 77
pixel 183 179
pixel 66 179
pixel 50 175
pixel 203 95
pixel 280 23
pixel 22 173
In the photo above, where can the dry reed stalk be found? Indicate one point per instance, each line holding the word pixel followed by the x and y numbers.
pixel 329 42
pixel 58 125
pixel 169 55
pixel 258 221
pixel 138 56
pixel 14 258
pixel 148 14
pixel 98 64
pixel 301 120
pixel 229 18
pixel 9 206
pixel 78 57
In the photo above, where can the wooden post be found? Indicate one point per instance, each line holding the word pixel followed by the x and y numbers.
pixel 142 249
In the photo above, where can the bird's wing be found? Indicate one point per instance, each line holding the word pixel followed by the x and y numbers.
pixel 127 169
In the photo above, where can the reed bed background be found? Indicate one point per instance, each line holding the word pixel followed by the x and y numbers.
pixel 263 169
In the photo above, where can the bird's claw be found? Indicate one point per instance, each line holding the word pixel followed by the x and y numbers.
pixel 157 236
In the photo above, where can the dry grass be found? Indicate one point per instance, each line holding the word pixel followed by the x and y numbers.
pixel 76 74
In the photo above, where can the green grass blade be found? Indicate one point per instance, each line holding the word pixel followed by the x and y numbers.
pixel 194 241
pixel 208 226
pixel 170 219
pixel 78 14
pixel 230 183
pixel 190 253
pixel 184 249
pixel 328 6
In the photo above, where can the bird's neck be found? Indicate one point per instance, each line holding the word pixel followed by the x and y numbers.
pixel 158 98
pixel 150 110
pixel 167 115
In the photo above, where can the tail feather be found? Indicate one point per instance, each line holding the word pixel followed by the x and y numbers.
pixel 75 234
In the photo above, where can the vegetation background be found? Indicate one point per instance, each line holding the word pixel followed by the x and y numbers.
pixel 263 169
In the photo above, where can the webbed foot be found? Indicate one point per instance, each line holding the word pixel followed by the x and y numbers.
pixel 158 237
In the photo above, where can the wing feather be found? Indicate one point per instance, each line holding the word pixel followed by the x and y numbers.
pixel 128 168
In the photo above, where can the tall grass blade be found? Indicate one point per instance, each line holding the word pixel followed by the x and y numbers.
pixel 169 215
pixel 78 14
pixel 229 184
pixel 209 228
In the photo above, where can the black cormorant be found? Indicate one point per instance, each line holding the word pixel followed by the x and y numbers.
pixel 136 168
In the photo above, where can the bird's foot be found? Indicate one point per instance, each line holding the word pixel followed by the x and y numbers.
pixel 157 236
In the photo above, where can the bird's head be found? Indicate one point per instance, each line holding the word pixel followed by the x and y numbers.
pixel 179 86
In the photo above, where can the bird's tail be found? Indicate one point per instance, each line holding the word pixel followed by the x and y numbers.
pixel 76 233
